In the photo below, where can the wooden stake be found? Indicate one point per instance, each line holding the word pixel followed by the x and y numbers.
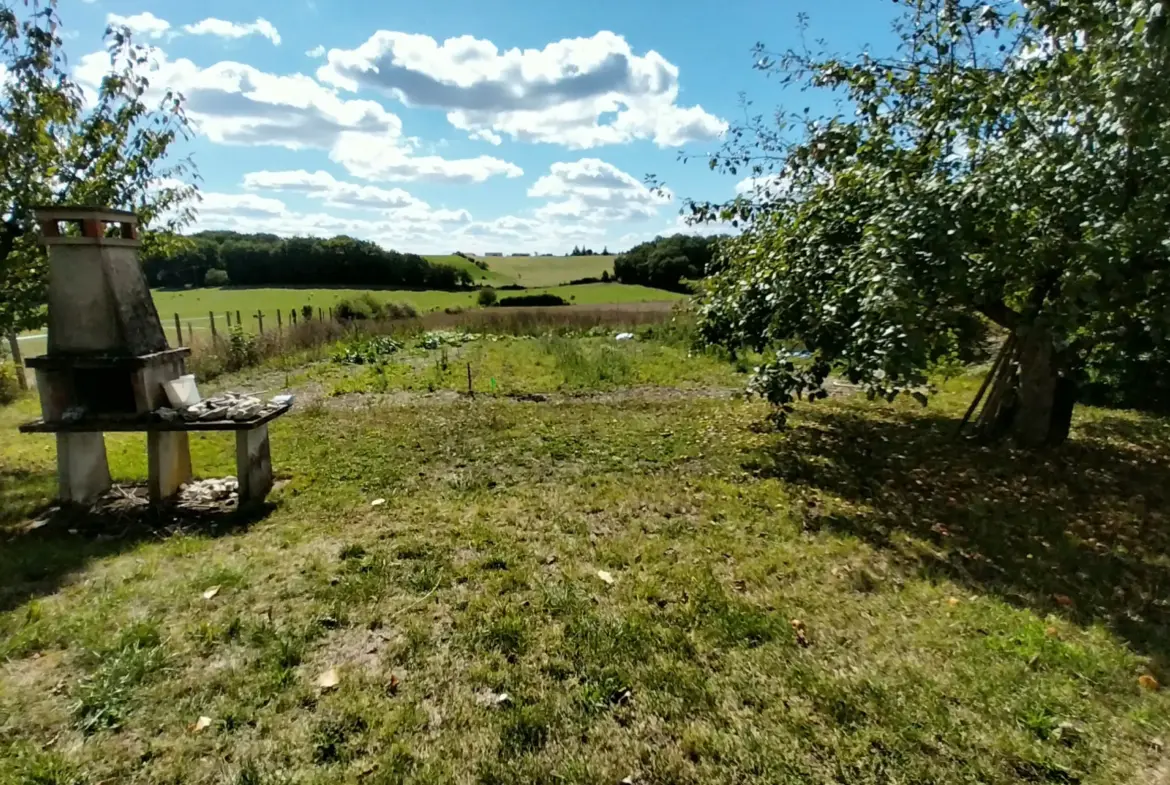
pixel 331 313
pixel 279 325
pixel 190 333
pixel 239 321
pixel 178 331
pixel 228 314
pixel 292 316
pixel 211 318
pixel 17 360
pixel 470 391
pixel 320 314
pixel 260 317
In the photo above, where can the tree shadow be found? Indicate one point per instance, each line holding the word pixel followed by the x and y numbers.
pixel 1081 530
pixel 39 556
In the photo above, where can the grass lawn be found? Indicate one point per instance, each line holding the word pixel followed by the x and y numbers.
pixel 647 585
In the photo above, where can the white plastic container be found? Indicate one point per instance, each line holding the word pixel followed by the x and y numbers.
pixel 182 392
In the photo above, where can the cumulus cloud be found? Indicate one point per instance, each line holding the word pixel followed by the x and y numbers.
pixel 594 191
pixel 244 205
pixel 414 227
pixel 316 51
pixel 237 104
pixel 763 186
pixel 322 185
pixel 579 92
pixel 225 29
pixel 145 24
pixel 374 157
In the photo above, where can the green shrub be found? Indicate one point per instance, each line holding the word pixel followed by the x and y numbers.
pixel 243 351
pixel 533 300
pixel 366 349
pixel 366 306
pixel 216 277
pixel 9 383
pixel 487 297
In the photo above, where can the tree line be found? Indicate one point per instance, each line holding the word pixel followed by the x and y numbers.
pixel 219 258
pixel 667 262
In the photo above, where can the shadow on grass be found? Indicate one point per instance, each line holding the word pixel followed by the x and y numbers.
pixel 38 557
pixel 1081 530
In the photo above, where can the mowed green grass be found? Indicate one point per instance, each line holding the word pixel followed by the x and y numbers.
pixel 533 271
pixel 653 587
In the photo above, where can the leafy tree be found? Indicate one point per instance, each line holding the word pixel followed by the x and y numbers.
pixel 59 146
pixel 1009 160
pixel 666 262
pixel 216 277
pixel 487 297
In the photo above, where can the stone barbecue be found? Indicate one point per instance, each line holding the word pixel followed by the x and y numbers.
pixel 108 359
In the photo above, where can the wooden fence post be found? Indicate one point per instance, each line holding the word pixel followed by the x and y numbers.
pixel 320 314
pixel 239 321
pixel 292 317
pixel 260 318
pixel 331 313
pixel 190 333
pixel 228 314
pixel 178 332
pixel 470 391
pixel 17 360
pixel 211 318
pixel 279 323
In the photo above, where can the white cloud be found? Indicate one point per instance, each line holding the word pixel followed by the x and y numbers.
pixel 234 103
pixel 322 185
pixel 768 185
pixel 415 227
pixel 374 157
pixel 485 135
pixel 316 51
pixel 237 104
pixel 145 24
pixel 579 92
pixel 225 29
pixel 246 205
pixel 594 191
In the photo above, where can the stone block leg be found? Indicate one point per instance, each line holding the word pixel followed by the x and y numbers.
pixel 168 462
pixel 253 465
pixel 82 472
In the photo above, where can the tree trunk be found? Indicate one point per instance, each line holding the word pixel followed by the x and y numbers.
pixel 1031 397
pixel 14 345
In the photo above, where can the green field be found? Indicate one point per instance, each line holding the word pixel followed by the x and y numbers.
pixel 532 270
pixel 193 305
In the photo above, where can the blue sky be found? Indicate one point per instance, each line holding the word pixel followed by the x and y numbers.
pixel 475 126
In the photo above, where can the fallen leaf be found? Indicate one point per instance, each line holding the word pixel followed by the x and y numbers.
pixel 201 724
pixel 328 679
pixel 627 781
pixel 377 502
pixel 214 590
pixel 1052 632
pixel 1063 600
pixel 605 576
pixel 392 686
pixel 1149 682
pixel 801 632
pixel 952 601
